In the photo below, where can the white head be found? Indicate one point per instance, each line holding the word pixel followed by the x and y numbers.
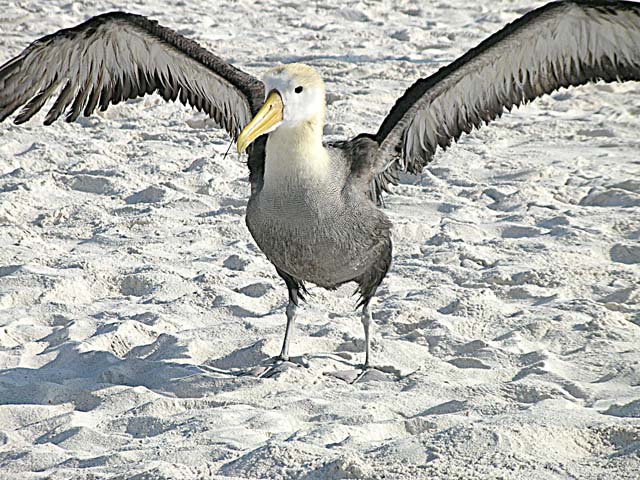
pixel 295 98
pixel 302 92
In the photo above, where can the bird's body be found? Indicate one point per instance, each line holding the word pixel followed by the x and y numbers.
pixel 311 214
pixel 314 223
pixel 313 207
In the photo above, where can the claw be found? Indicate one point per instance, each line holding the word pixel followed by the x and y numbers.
pixel 366 373
pixel 278 364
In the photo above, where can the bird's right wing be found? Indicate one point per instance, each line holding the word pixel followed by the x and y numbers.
pixel 119 56
pixel 558 45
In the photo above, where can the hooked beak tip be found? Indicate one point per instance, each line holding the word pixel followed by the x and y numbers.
pixel 266 120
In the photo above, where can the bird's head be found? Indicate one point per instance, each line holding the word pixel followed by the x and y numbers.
pixel 295 98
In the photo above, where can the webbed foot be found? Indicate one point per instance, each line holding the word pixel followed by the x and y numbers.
pixel 367 373
pixel 276 365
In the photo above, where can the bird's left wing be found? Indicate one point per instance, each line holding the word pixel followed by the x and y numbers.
pixel 119 56
pixel 557 45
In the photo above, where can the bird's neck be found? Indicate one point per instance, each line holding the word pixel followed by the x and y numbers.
pixel 296 154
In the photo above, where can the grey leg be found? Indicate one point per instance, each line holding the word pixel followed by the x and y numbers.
pixel 291 315
pixel 295 287
pixel 366 323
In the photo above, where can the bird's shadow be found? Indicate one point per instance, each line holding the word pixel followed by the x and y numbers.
pixel 77 377
pixel 252 359
pixel 70 374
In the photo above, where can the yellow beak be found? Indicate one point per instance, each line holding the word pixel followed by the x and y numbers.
pixel 267 119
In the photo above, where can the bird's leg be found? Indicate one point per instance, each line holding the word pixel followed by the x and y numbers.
pixel 366 323
pixel 277 363
pixel 283 358
pixel 355 375
pixel 291 316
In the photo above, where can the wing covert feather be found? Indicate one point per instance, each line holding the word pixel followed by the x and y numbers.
pixel 561 44
pixel 119 56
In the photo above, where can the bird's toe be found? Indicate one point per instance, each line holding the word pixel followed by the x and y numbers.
pixel 276 365
pixel 366 373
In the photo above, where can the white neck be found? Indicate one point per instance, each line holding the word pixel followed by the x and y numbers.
pixel 296 154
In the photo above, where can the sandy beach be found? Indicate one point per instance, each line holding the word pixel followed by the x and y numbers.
pixel 508 326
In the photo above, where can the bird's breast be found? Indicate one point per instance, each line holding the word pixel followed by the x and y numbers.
pixel 314 232
pixel 306 218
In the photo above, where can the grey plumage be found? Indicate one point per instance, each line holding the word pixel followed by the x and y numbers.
pixel 326 232
pixel 119 56
pixel 558 45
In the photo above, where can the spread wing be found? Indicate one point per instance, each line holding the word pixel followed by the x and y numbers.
pixel 558 45
pixel 118 56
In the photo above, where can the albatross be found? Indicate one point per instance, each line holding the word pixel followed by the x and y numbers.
pixel 314 208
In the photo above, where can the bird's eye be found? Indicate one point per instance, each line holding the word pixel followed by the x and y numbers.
pixel 299 89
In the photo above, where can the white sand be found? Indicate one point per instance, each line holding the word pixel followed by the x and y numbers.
pixel 126 269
